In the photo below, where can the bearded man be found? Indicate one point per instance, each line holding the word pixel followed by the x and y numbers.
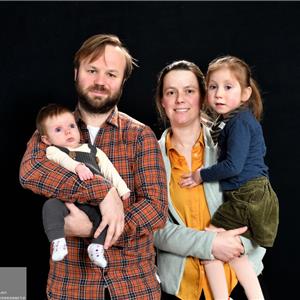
pixel 102 65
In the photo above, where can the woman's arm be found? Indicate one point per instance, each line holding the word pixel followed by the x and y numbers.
pixel 184 241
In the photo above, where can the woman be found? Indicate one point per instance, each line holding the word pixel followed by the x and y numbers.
pixel 186 146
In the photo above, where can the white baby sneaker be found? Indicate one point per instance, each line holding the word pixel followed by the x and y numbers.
pixel 59 249
pixel 96 255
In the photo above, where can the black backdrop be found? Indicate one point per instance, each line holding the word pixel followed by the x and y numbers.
pixel 38 41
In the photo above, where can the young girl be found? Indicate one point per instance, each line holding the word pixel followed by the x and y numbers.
pixel 248 196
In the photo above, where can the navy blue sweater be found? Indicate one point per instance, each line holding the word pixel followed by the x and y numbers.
pixel 242 150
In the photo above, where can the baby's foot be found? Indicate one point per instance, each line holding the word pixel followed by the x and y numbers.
pixel 96 255
pixel 59 249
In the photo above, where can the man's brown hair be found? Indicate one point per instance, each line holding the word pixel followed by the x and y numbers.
pixel 94 46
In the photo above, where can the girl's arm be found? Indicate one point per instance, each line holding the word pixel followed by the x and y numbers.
pixel 237 149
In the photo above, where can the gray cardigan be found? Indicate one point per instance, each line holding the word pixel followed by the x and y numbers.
pixel 176 241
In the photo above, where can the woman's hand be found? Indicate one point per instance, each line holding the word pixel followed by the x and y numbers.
pixel 227 245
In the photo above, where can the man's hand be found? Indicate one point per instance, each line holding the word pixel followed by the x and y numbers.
pixel 77 223
pixel 112 211
pixel 227 245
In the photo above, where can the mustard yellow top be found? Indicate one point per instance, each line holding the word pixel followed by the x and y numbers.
pixel 191 205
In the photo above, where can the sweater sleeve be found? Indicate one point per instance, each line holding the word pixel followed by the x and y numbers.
pixel 110 173
pixel 184 241
pixel 237 149
pixel 61 158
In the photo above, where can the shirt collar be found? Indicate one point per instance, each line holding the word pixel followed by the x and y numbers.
pixel 170 147
pixel 111 119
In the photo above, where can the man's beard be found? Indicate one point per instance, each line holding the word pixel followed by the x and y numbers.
pixel 96 105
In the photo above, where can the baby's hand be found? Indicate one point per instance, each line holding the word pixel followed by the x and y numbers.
pixel 84 172
pixel 191 180
pixel 125 196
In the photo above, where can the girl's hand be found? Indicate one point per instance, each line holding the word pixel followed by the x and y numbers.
pixel 191 180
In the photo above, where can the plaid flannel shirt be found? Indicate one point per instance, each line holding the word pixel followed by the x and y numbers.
pixel 133 149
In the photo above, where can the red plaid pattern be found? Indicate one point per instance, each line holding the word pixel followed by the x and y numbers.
pixel 133 149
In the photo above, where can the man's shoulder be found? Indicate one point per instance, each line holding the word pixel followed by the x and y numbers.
pixel 130 122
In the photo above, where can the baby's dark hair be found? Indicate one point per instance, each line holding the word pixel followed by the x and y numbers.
pixel 46 112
